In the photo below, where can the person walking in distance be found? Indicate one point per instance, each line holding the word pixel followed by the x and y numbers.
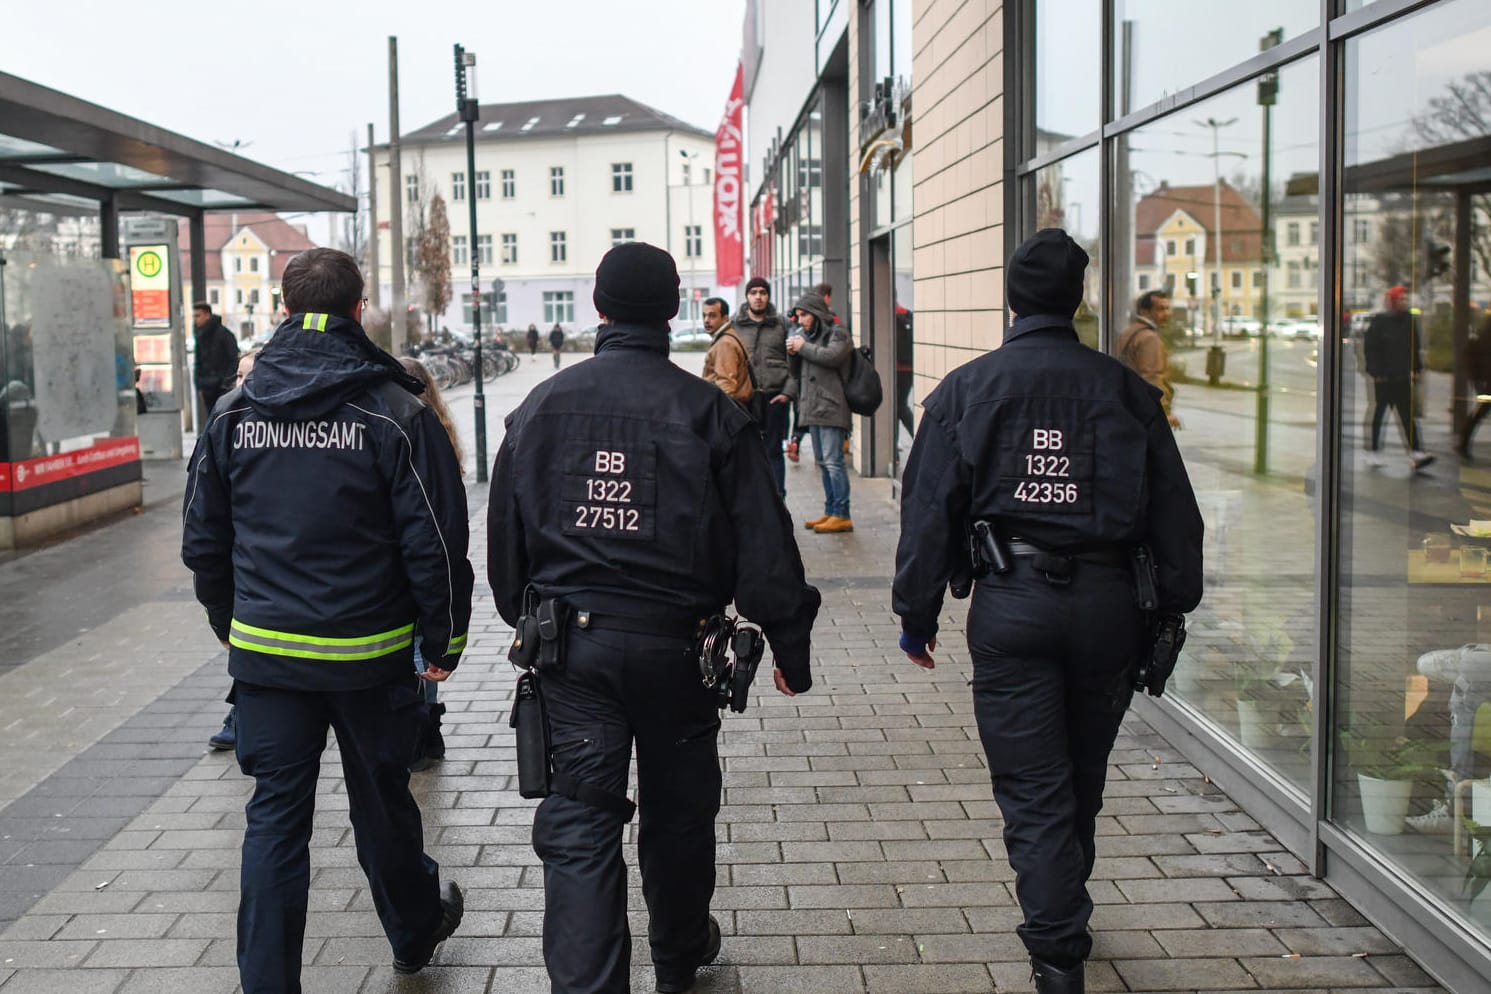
pixel 631 501
pixel 819 350
pixel 533 341
pixel 1061 462
pixel 1142 348
pixel 1395 364
pixel 325 526
pixel 764 333
pixel 556 342
pixel 215 361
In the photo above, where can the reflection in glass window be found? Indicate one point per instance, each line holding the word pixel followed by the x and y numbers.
pixel 1414 669
pixel 1158 45
pixel 1068 66
pixel 1217 179
pixel 1066 196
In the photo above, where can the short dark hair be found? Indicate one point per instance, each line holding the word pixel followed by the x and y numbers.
pixel 322 281
pixel 824 290
pixel 1146 300
pixel 202 305
pixel 724 307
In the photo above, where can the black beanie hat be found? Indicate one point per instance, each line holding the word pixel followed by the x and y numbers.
pixel 1044 275
pixel 637 282
pixel 756 281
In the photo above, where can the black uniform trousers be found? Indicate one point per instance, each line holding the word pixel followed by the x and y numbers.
pixel 617 687
pixel 1397 395
pixel 1051 671
pixel 281 734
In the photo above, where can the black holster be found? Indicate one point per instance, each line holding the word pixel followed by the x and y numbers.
pixel 531 724
pixel 538 642
pixel 729 653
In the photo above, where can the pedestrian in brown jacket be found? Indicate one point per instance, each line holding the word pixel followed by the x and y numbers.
pixel 728 365
pixel 1141 348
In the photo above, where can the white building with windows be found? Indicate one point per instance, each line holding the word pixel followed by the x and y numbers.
pixel 557 183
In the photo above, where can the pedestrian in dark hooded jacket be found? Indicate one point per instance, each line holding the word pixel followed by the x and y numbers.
pixel 819 351
pixel 215 361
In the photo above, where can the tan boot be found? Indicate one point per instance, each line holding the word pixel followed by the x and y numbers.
pixel 833 526
pixel 812 523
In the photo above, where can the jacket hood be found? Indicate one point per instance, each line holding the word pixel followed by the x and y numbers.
pixel 314 364
pixel 617 335
pixel 814 305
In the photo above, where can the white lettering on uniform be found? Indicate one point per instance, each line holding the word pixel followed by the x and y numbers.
pixel 1046 438
pixel 610 462
pixel 299 435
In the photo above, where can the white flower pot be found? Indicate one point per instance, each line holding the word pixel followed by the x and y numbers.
pixel 1384 803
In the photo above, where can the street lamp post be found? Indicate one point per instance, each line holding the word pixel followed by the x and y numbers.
pixel 1216 358
pixel 1268 97
pixel 688 241
pixel 469 111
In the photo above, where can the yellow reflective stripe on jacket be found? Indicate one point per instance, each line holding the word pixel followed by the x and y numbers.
pixel 457 645
pixel 275 643
pixel 315 322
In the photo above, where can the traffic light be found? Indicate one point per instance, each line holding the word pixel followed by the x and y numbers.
pixel 1439 259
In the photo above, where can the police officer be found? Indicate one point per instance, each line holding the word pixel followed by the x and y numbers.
pixel 639 498
pixel 325 523
pixel 1068 455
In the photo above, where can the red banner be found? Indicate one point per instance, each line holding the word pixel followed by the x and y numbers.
pixel 50 469
pixel 729 203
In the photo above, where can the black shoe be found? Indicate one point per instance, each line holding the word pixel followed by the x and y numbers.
pixel 435 743
pixel 227 736
pixel 680 983
pixel 453 906
pixel 1053 980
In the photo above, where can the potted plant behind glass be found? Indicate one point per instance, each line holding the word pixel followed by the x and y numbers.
pixel 1386 771
pixel 1478 873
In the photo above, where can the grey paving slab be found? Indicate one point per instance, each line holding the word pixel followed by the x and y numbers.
pixel 860 847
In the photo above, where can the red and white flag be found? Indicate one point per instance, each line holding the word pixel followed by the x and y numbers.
pixel 729 213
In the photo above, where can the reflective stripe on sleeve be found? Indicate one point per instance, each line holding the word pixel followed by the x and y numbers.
pixel 275 643
pixel 457 645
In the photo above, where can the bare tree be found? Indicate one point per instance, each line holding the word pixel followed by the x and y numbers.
pixel 434 258
pixel 355 227
pixel 1460 115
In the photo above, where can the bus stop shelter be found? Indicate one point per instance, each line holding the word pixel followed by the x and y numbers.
pixel 75 329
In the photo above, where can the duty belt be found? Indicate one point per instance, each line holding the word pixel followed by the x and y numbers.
pixel 1107 555
pixel 683 625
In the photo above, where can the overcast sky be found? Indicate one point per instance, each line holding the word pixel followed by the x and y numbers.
pixel 293 80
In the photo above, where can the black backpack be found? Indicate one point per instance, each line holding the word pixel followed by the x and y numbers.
pixel 862 390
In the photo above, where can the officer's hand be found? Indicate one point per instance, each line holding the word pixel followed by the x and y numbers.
pixel 225 643
pixel 781 681
pixel 1174 421
pixel 435 674
pixel 781 398
pixel 919 652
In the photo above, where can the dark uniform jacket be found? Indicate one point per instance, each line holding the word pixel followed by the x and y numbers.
pixel 215 362
pixel 766 341
pixel 1066 448
pixel 627 485
pixel 325 517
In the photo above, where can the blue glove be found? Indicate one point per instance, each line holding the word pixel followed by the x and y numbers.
pixel 913 646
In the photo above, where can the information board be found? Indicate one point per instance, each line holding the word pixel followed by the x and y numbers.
pixel 150 285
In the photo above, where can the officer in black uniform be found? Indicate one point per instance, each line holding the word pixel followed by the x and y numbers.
pixel 1067 454
pixel 325 525
pixel 640 498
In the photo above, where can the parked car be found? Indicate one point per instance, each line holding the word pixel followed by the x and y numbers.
pixel 1237 326
pixel 584 339
pixel 690 339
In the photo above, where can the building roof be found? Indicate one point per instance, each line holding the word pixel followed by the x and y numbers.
pixel 283 239
pixel 606 114
pixel 57 149
pixel 1242 227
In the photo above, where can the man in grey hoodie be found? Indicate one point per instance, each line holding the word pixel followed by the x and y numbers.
pixel 764 333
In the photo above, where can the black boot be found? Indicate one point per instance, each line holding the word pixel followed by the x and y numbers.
pixel 431 747
pixel 1053 980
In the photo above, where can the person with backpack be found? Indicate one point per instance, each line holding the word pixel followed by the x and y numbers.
pixel 819 350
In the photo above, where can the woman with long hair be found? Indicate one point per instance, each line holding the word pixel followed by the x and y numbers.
pixel 432 743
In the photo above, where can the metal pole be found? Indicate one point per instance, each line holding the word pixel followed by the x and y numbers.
pixel 470 111
pixel 688 242
pixel 374 273
pixel 1260 417
pixel 1216 231
pixel 398 310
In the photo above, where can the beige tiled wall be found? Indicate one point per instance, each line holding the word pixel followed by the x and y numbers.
pixel 958 232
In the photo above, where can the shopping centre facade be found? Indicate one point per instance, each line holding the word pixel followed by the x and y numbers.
pixel 1275 166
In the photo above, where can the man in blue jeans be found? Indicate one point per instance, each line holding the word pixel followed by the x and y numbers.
pixel 818 351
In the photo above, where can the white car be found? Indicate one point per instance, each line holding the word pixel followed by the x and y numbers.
pixel 689 336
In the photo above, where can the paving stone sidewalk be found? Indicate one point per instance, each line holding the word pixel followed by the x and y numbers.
pixel 859 848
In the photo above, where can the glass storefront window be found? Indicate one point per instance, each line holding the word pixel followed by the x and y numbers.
pixel 1066 196
pixel 1068 61
pixel 1162 46
pixel 1242 364
pixel 1413 765
pixel 903 309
